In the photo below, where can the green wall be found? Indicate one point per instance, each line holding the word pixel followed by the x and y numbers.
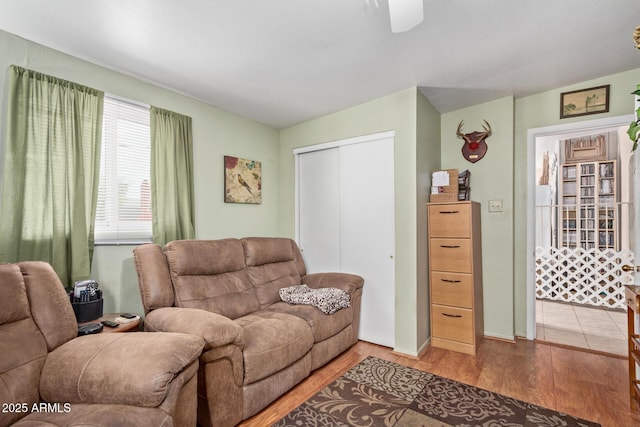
pixel 215 133
pixel 491 179
pixel 503 175
pixel 398 112
pixel 542 110
pixel 428 154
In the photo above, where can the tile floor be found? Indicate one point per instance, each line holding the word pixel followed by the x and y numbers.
pixel 582 326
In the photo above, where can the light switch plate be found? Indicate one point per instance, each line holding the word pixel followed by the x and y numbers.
pixel 495 205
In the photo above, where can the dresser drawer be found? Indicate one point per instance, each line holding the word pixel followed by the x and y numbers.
pixel 450 220
pixel 450 255
pixel 452 323
pixel 452 289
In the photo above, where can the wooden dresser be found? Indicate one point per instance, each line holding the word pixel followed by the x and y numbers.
pixel 455 271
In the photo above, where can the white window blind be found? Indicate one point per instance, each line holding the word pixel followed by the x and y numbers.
pixel 124 196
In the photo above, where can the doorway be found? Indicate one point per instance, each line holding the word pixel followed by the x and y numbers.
pixel 581 200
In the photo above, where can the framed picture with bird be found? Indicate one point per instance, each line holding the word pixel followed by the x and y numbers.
pixel 242 180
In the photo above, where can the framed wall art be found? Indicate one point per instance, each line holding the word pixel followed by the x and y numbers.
pixel 242 180
pixel 586 148
pixel 584 101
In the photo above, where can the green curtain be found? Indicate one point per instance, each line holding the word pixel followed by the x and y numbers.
pixel 172 198
pixel 51 169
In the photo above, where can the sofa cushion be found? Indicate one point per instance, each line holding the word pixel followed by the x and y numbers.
pixel 210 275
pixel 82 414
pixel 136 368
pixel 24 349
pixel 322 325
pixel 154 278
pixel 50 308
pixel 14 304
pixel 273 341
pixel 24 352
pixel 272 263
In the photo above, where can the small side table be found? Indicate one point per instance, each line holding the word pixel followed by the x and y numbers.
pixel 132 326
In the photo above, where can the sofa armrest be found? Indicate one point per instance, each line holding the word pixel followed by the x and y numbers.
pixel 217 330
pixel 122 368
pixel 349 283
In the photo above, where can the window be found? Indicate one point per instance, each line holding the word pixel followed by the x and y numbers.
pixel 124 196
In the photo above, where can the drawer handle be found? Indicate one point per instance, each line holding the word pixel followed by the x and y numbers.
pixel 451 281
pixel 448 212
pixel 451 315
pixel 450 246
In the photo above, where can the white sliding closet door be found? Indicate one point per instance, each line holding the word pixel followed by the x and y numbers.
pixel 319 205
pixel 367 233
pixel 346 223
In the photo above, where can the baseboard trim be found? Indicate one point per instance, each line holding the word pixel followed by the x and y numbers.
pixel 412 354
pixel 585 350
pixel 510 341
pixel 510 338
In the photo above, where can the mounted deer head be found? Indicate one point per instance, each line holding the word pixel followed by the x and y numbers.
pixel 475 146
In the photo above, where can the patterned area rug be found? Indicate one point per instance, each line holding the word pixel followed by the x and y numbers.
pixel 381 393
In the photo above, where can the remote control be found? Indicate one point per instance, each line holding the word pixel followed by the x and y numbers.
pixel 110 324
pixel 90 328
pixel 122 320
pixel 128 315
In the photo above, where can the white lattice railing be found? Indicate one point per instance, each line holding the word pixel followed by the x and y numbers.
pixel 576 275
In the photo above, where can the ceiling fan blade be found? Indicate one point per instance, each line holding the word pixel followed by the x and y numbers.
pixel 405 14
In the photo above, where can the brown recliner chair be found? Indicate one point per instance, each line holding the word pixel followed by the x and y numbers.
pixel 50 377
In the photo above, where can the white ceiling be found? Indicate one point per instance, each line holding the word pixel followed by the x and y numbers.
pixel 282 62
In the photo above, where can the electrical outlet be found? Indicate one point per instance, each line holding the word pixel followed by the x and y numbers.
pixel 495 205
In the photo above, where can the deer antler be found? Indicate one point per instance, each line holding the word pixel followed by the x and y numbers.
pixel 487 128
pixel 459 131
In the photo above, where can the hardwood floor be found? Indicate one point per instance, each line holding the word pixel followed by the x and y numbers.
pixel 587 385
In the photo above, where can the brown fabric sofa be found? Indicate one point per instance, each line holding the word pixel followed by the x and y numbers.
pixel 50 377
pixel 256 346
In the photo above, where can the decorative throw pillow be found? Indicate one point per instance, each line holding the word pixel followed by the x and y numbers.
pixel 328 300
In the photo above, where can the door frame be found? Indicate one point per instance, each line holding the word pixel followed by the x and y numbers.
pixel 532 135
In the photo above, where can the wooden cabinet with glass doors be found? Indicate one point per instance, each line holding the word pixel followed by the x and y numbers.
pixel 587 214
